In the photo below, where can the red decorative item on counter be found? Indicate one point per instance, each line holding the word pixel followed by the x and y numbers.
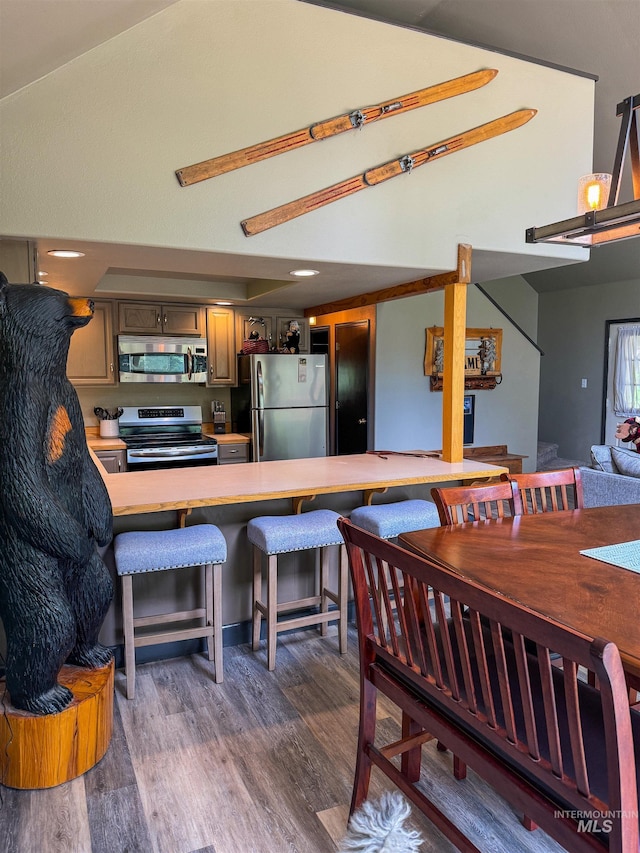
pixel 251 346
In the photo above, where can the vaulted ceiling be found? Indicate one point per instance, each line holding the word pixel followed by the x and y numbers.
pixel 600 37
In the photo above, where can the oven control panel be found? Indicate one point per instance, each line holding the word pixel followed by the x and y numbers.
pixel 161 413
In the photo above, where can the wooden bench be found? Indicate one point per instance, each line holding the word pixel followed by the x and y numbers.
pixel 474 670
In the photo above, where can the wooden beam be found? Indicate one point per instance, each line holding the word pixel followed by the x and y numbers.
pixel 399 291
pixel 455 317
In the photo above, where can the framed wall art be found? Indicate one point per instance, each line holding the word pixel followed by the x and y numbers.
pixel 482 358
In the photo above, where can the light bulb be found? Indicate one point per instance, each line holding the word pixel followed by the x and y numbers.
pixel 593 192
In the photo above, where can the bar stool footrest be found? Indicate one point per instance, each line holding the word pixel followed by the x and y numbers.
pixel 303 621
pixel 162 636
pixel 163 618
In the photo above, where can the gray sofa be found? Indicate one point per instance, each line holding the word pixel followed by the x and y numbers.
pixel 613 478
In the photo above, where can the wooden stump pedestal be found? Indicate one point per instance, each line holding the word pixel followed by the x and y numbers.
pixel 45 751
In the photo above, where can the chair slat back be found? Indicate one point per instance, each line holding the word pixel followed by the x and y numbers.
pixel 549 491
pixel 486 661
pixel 478 502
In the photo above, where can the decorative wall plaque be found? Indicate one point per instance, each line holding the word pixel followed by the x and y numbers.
pixel 482 358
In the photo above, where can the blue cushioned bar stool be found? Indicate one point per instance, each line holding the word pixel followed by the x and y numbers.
pixel 390 520
pixel 274 535
pixel 165 550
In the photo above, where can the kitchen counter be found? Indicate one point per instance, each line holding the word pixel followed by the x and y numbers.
pixel 136 492
pixel 229 437
pixel 96 443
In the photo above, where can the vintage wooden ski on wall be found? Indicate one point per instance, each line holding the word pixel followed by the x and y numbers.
pixel 377 175
pixel 331 127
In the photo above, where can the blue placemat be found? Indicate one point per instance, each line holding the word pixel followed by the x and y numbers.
pixel 624 554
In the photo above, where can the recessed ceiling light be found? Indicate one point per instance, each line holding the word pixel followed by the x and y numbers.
pixel 304 273
pixel 65 253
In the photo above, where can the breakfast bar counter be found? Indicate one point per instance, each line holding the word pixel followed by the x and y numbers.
pixel 229 496
pixel 138 492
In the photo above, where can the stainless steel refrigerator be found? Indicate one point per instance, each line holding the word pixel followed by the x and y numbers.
pixel 282 400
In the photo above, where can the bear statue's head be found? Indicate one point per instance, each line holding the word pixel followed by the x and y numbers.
pixel 38 321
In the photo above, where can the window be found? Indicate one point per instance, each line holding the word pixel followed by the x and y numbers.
pixel 626 382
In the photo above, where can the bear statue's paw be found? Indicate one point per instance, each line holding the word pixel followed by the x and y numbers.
pixel 93 657
pixel 50 702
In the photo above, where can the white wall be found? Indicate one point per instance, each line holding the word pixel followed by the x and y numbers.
pixel 93 146
pixel 409 416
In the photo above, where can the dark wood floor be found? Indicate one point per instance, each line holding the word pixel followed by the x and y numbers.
pixel 262 763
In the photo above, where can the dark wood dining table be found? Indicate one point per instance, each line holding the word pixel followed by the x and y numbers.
pixel 536 561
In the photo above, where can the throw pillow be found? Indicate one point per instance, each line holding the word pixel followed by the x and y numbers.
pixel 601 458
pixel 626 461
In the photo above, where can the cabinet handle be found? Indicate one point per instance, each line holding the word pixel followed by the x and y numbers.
pixel 119 464
pixel 164 320
pixel 157 319
pixel 232 451
pixel 111 367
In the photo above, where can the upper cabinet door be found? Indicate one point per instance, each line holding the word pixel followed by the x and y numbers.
pixel 91 358
pixel 161 319
pixel 221 346
pixel 183 320
pixel 139 317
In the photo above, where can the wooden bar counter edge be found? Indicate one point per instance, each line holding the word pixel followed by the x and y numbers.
pixel 136 492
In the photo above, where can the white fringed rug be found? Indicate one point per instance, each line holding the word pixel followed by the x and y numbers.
pixel 377 827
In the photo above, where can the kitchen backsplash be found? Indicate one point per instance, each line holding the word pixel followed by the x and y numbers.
pixel 143 394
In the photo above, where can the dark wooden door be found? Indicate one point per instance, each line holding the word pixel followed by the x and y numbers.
pixel 352 380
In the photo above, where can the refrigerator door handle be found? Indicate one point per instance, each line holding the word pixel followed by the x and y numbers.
pixel 260 437
pixel 257 435
pixel 260 385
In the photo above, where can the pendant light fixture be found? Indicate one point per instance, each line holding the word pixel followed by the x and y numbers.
pixel 600 218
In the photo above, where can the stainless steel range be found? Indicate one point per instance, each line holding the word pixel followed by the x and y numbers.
pixel 166 437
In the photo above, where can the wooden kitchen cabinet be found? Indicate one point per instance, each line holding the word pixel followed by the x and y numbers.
pixel 221 346
pixel 273 327
pixel 113 461
pixel 91 358
pixel 17 260
pixel 161 318
pixel 231 453
pixel 244 326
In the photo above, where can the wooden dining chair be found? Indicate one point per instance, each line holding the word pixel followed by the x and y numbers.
pixel 549 491
pixel 552 491
pixel 478 502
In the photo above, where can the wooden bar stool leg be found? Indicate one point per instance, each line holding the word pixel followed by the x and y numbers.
pixel 217 621
pixel 324 580
pixel 343 595
pixel 257 596
pixel 208 606
pixel 129 639
pixel 272 609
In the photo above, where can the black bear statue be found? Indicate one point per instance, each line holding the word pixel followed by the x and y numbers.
pixel 54 507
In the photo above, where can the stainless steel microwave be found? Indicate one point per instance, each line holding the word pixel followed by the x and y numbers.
pixel 160 359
